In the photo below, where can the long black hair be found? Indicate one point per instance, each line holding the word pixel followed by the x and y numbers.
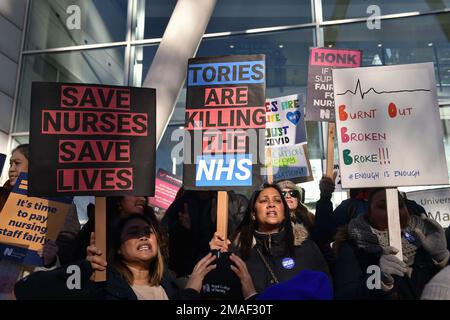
pixel 246 229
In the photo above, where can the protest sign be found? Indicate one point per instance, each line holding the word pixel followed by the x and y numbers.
pixel 291 163
pixel 285 121
pixel 88 139
pixel 320 98
pixel 388 127
pixel 436 203
pixel 166 189
pixel 337 173
pixel 225 122
pixel 29 222
pixel 286 145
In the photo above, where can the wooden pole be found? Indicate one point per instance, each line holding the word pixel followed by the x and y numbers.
pixel 100 233
pixel 222 214
pixel 269 165
pixel 330 149
pixel 395 236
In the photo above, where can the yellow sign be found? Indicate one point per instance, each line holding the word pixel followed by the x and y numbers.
pixel 29 222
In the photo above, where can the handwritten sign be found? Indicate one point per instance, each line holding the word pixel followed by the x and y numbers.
pixel 388 127
pixel 292 163
pixel 436 203
pixel 29 222
pixel 166 188
pixel 225 115
pixel 285 121
pixel 91 140
pixel 320 99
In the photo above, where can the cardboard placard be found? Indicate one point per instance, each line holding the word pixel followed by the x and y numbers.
pixel 320 99
pixel 286 140
pixel 285 121
pixel 225 122
pixel 291 163
pixel 388 127
pixel 88 139
pixel 166 189
pixel 29 222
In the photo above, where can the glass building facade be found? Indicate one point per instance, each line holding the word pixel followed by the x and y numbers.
pixel 117 40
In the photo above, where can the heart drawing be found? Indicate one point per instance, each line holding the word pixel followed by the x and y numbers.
pixel 294 117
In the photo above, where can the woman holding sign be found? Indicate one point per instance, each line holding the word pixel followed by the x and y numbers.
pixel 367 267
pixel 265 240
pixel 137 269
pixel 17 164
pixel 52 249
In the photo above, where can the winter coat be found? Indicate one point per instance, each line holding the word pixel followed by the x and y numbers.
pixel 351 274
pixel 307 256
pixel 51 285
pixel 188 246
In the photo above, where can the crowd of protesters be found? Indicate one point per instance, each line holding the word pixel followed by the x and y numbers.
pixel 276 248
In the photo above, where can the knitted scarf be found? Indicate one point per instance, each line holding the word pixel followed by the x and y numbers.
pixel 373 241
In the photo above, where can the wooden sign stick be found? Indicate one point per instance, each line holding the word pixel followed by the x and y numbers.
pixel 100 233
pixel 222 214
pixel 395 236
pixel 330 149
pixel 269 165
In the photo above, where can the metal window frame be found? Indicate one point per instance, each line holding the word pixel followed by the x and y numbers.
pixel 317 24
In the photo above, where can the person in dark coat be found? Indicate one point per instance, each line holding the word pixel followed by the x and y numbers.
pixel 320 225
pixel 357 204
pixel 135 270
pixel 363 246
pixel 117 208
pixel 191 222
pixel 266 242
pixel 53 252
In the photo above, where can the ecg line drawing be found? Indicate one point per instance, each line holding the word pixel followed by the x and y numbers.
pixel 362 94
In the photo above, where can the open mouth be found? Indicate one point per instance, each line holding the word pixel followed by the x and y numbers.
pixel 143 247
pixel 140 205
pixel 272 214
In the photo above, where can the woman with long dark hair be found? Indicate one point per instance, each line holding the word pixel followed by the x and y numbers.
pixel 265 240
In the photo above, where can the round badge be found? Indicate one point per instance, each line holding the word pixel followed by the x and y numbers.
pixel 288 263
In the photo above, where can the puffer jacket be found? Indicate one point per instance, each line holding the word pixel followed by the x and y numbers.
pixel 307 256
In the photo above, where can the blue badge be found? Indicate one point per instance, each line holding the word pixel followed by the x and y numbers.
pixel 288 263
pixel 409 237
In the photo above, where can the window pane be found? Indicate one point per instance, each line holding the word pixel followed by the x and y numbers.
pixel 103 66
pixel 344 9
pixel 400 41
pixel 235 15
pixel 445 117
pixel 231 15
pixel 141 60
pixel 88 22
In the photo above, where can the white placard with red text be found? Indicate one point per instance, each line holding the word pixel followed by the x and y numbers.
pixel 388 126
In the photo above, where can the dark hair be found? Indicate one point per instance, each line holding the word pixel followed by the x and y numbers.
pixel 246 229
pixel 156 267
pixel 373 191
pixel 23 149
pixel 113 219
